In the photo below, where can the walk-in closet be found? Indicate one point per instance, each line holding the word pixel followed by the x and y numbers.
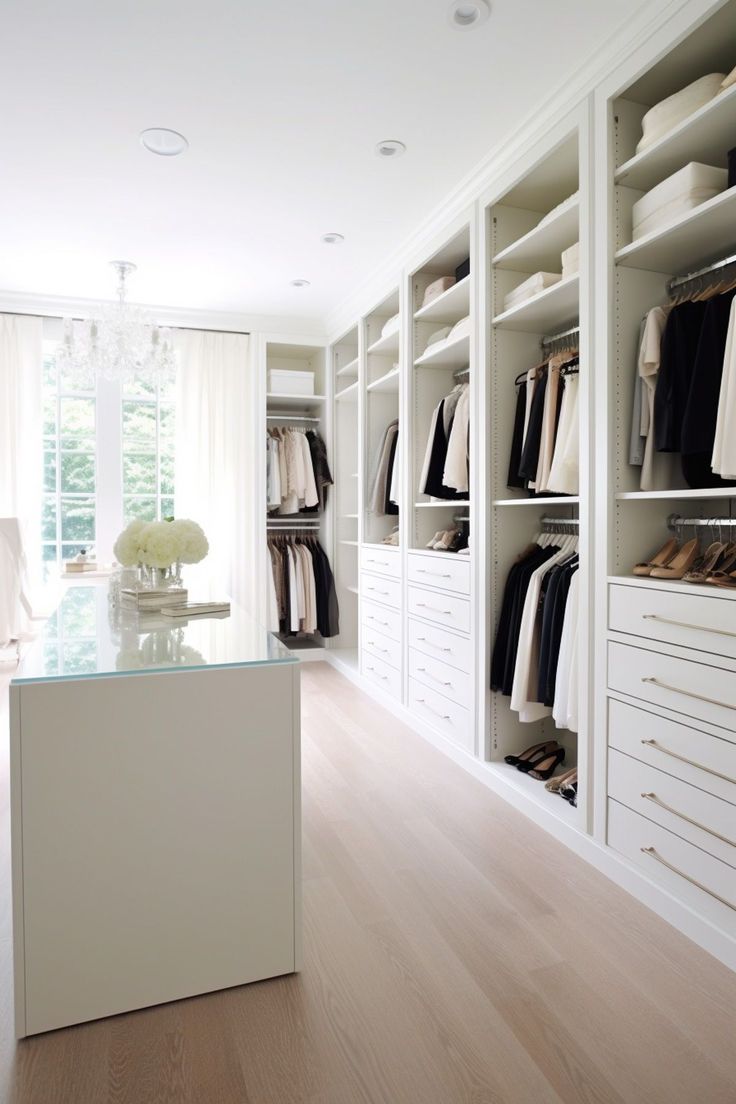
pixel 368 553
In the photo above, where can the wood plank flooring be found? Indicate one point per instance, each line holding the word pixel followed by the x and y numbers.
pixel 454 954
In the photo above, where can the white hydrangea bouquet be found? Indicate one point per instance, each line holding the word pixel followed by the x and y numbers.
pixel 159 548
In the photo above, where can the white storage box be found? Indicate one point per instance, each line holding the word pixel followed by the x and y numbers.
pixel 685 189
pixel 283 382
pixel 536 283
pixel 437 288
pixel 666 115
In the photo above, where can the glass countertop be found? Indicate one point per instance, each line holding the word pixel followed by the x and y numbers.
pixel 87 638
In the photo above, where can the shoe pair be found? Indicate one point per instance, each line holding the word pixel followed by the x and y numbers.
pixel 715 566
pixel 539 761
pixel 671 562
pixel 566 785
pixel 445 540
pixel 392 538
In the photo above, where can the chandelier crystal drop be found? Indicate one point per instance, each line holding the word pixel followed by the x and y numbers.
pixel 121 342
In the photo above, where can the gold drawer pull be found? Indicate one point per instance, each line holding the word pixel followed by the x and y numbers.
pixel 439 680
pixel 432 644
pixel 676 812
pixel 687 693
pixel 434 609
pixel 685 625
pixel 699 885
pixel 442 716
pixel 690 762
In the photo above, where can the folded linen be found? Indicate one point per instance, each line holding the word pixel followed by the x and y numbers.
pixel 532 286
pixel 666 115
pixel 571 260
pixel 436 288
pixel 685 189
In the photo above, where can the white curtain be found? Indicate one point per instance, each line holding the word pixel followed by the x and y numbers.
pixel 21 460
pixel 214 461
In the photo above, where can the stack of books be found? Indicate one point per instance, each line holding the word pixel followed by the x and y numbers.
pixel 152 600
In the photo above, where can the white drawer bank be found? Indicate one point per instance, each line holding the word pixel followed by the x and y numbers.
pixel 155 817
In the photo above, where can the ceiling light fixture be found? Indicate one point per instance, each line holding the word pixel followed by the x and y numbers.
pixel 333 238
pixel 466 15
pixel 163 142
pixel 120 343
pixel 300 282
pixel 390 147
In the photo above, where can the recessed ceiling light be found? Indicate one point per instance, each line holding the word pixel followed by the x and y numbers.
pixel 299 282
pixel 164 142
pixel 466 15
pixel 390 147
pixel 333 238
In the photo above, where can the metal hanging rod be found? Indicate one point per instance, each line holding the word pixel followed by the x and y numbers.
pixel 293 523
pixel 674 521
pixel 560 521
pixel 573 331
pixel 679 281
pixel 461 517
pixel 290 418
pixel 460 373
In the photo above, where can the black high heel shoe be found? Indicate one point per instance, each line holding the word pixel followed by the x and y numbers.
pixel 514 760
pixel 545 767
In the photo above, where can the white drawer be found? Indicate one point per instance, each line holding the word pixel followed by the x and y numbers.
pixel 691 688
pixel 705 623
pixel 438 676
pixel 441 644
pixel 664 744
pixel 384 563
pixel 383 647
pixel 381 588
pixel 630 834
pixel 698 817
pixel 445 609
pixel 447 574
pixel 449 718
pixel 387 678
pixel 386 621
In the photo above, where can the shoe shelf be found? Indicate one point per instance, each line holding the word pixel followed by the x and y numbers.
pixel 699 589
pixel 533 790
pixel 700 137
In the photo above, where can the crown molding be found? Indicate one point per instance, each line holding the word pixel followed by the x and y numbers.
pixel 58 306
pixel 568 97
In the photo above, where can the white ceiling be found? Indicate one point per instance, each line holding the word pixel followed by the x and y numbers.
pixel 282 102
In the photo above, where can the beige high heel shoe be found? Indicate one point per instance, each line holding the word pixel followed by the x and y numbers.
pixel 680 564
pixel 665 554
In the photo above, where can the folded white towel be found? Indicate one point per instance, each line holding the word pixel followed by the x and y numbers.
pixel 664 116
pixel 683 190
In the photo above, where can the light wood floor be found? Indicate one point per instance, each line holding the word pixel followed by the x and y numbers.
pixel 454 955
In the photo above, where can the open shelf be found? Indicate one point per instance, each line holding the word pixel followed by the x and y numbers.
pixel 442 502
pixel 450 306
pixel 350 369
pixel 534 790
pixel 550 500
pixel 695 238
pixel 349 394
pixel 672 584
pixel 385 346
pixel 274 399
pixel 540 250
pixel 444 355
pixel 552 307
pixel 700 137
pixel 389 382
pixel 698 493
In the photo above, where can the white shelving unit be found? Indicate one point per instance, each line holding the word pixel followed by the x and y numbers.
pixel 345 359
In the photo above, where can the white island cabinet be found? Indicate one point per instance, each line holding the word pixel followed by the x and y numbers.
pixel 155 812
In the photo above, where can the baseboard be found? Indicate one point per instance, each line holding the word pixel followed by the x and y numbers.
pixel 620 871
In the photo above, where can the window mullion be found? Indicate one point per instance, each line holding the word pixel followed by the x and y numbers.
pixel 109 508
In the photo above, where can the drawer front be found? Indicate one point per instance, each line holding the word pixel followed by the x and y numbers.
pixel 710 762
pixel 440 644
pixel 383 647
pixel 706 624
pixel 383 620
pixel 449 718
pixel 446 574
pixel 384 676
pixel 381 588
pixel 687 687
pixel 380 562
pixel 698 817
pixel 438 676
pixel 444 609
pixel 629 834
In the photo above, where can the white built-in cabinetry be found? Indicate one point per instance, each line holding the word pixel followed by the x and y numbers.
pixel 655 744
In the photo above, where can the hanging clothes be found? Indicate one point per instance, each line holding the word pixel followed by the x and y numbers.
pixel 297 471
pixel 565 709
pixel 564 474
pixel 302 595
pixel 724 445
pixel 656 470
pixel 380 502
pixel 545 439
pixel 447 451
pixel 700 419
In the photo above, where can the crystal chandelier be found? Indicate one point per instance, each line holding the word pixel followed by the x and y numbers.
pixel 121 343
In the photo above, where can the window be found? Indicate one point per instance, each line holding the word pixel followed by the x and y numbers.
pixel 108 458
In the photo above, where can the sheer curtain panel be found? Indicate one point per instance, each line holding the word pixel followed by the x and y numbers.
pixel 215 462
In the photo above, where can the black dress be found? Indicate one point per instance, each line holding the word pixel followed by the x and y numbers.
pixel 517 439
pixel 532 443
pixel 677 364
pixel 701 412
